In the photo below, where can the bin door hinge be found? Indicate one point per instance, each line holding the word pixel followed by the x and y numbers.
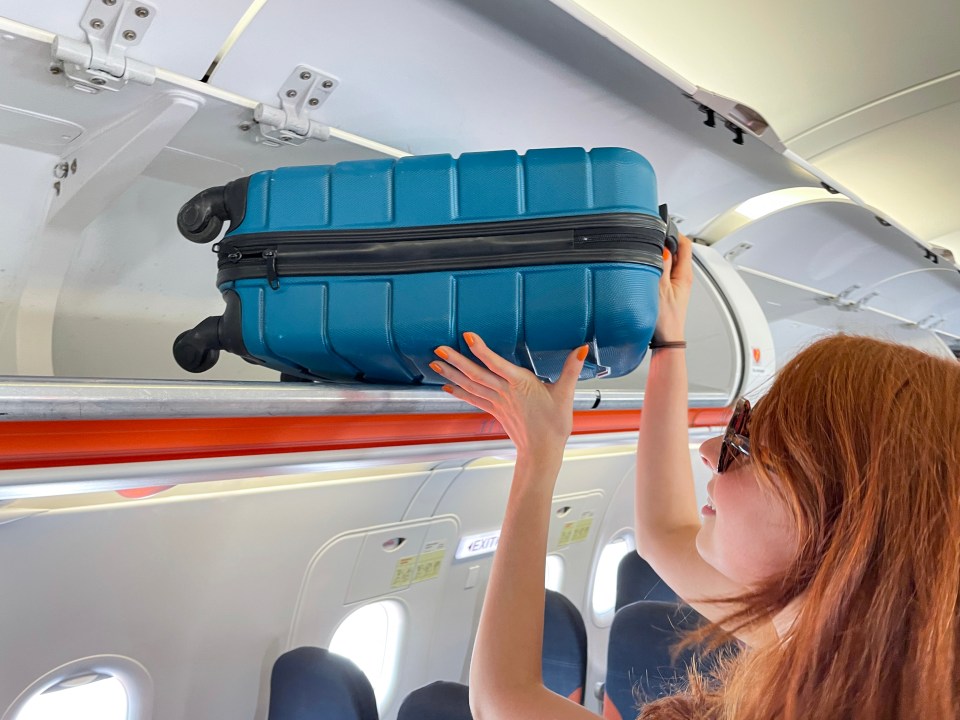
pixel 290 124
pixel 101 62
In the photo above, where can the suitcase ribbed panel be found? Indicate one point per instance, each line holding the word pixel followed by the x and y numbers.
pixel 530 315
pixel 440 190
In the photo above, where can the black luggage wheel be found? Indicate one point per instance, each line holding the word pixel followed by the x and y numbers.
pixel 198 350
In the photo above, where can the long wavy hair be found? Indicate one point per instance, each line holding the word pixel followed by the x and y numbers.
pixel 861 439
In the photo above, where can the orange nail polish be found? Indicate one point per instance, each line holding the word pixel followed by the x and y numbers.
pixel 470 338
pixel 435 366
pixel 448 389
pixel 666 254
pixel 442 352
pixel 582 352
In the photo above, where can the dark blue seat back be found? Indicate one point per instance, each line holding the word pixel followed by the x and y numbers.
pixel 310 683
pixel 440 700
pixel 640 665
pixel 636 581
pixel 564 647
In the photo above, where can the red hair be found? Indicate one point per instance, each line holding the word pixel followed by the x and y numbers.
pixel 861 439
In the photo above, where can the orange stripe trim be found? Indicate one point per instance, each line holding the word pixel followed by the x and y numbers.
pixel 64 443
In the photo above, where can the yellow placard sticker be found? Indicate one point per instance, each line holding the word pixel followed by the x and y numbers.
pixel 576 530
pixel 403 573
pixel 581 529
pixel 429 562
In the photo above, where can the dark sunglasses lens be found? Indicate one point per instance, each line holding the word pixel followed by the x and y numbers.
pixel 738 425
pixel 723 461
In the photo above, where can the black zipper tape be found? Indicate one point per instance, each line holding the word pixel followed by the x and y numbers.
pixel 621 238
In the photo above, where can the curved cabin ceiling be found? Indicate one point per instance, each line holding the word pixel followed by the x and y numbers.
pixel 868 91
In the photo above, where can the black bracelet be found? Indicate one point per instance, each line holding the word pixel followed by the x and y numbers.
pixel 658 344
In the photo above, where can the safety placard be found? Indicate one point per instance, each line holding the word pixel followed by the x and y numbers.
pixel 576 530
pixel 417 568
pixel 429 562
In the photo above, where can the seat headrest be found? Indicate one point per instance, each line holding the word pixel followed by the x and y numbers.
pixel 311 683
pixel 564 647
pixel 636 580
pixel 441 700
pixel 640 665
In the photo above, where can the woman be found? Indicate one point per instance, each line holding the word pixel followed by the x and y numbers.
pixel 830 544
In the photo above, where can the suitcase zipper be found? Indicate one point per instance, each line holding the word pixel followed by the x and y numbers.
pixel 589 239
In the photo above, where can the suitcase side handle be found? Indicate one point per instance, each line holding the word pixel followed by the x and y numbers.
pixel 670 242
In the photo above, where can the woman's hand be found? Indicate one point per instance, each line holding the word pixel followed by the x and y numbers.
pixel 675 284
pixel 537 416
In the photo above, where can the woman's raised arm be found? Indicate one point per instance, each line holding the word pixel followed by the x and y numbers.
pixel 666 514
pixel 505 672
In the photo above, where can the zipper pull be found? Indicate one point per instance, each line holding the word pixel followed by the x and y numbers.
pixel 272 277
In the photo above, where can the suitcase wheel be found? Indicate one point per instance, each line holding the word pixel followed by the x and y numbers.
pixel 200 220
pixel 198 350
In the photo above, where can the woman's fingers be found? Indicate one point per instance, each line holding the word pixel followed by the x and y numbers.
pixel 665 277
pixel 469 368
pixel 682 265
pixel 461 380
pixel 572 366
pixel 504 368
pixel 469 398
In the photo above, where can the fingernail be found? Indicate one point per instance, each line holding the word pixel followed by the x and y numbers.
pixel 448 389
pixel 470 338
pixel 442 352
pixel 582 352
pixel 666 254
pixel 436 367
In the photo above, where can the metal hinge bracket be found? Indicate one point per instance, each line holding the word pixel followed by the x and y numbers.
pixel 303 92
pixel 101 62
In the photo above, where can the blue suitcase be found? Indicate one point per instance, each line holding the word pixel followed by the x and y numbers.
pixel 357 271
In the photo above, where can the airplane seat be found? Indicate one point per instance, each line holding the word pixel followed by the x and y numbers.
pixel 640 666
pixel 564 647
pixel 310 683
pixel 636 580
pixel 440 700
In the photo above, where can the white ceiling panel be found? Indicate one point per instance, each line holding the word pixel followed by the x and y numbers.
pixel 909 169
pixel 184 36
pixel 800 62
pixel 431 76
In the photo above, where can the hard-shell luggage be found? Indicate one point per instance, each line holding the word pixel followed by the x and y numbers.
pixel 357 271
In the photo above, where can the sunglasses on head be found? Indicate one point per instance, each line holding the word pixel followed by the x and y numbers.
pixel 736 438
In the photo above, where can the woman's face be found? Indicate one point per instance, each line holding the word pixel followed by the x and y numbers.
pixel 748 533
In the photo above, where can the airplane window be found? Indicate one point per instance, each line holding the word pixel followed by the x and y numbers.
pixel 93 696
pixel 554 574
pixel 370 637
pixel 605 578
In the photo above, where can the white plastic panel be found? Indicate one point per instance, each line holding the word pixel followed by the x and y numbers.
pixel 434 76
pixel 829 246
pixel 799 316
pixel 321 603
pixel 184 36
pixel 133 287
pixel 799 63
pixel 908 168
pixel 796 260
pixel 202 585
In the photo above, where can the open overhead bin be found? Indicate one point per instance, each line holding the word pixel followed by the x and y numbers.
pixel 819 266
pixel 867 93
